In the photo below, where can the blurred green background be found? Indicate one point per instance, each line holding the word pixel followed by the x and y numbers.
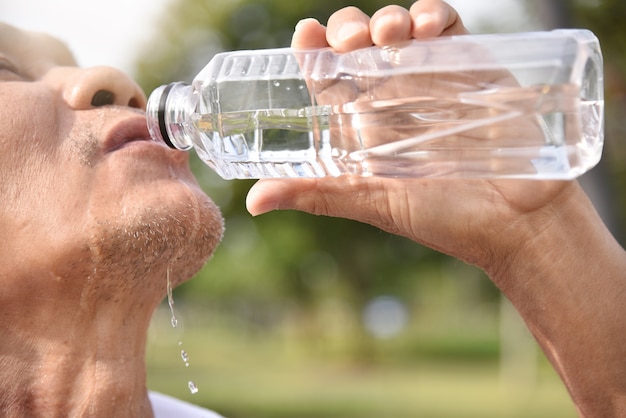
pixel 302 316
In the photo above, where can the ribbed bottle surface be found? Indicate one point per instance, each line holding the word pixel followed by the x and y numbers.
pixel 497 106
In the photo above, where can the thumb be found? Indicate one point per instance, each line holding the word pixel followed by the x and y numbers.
pixel 351 197
pixel 331 196
pixel 262 197
pixel 274 194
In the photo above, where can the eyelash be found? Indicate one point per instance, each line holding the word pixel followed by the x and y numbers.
pixel 7 66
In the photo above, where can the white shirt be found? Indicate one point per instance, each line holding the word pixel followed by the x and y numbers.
pixel 165 406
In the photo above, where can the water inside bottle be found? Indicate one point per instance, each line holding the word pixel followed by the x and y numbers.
pixel 505 131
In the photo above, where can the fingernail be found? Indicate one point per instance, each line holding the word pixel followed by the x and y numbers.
pixel 423 19
pixel 349 30
pixel 262 209
pixel 303 22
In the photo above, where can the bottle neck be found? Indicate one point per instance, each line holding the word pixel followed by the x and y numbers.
pixel 167 112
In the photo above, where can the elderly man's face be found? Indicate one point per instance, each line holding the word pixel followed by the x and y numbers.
pixel 83 188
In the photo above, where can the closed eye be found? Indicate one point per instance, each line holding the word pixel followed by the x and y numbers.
pixel 8 71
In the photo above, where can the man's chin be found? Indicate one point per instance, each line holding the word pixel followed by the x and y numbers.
pixel 148 241
pixel 197 244
pixel 193 233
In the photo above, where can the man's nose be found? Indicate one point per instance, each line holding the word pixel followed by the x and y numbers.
pixel 85 88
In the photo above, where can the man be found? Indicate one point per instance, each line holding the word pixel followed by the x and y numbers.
pixel 96 217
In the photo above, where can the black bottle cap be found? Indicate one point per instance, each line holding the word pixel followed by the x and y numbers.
pixel 161 115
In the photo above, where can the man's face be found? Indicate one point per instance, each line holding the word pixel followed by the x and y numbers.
pixel 84 191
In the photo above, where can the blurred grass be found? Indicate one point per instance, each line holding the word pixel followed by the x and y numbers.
pixel 243 374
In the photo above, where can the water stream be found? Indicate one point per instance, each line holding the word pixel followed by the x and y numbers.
pixel 193 388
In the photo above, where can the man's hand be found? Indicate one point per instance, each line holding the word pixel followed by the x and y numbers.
pixel 478 221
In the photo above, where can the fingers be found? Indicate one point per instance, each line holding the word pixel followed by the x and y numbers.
pixel 271 194
pixel 434 18
pixel 389 25
pixel 309 34
pixel 328 196
pixel 350 197
pixel 348 29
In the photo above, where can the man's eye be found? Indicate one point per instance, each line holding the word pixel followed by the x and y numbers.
pixel 8 71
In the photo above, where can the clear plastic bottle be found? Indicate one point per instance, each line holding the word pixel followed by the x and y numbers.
pixel 525 105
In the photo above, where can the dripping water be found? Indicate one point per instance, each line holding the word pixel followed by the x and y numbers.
pixel 174 322
pixel 170 301
pixel 185 357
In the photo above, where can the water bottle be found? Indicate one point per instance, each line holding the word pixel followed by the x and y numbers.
pixel 524 105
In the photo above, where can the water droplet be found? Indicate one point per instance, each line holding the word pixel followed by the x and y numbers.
pixel 185 357
pixel 183 354
pixel 276 83
pixel 170 300
pixel 192 387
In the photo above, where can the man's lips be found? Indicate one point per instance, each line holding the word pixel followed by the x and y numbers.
pixel 128 130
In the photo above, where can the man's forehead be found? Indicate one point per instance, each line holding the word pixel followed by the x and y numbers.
pixel 33 50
